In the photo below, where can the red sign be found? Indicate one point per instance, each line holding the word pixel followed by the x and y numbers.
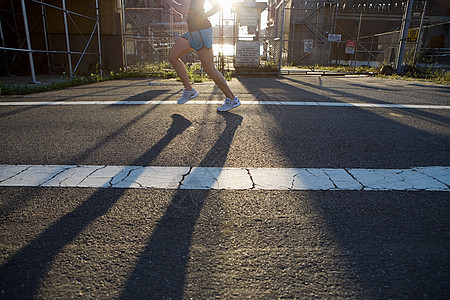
pixel 351 43
pixel 350 47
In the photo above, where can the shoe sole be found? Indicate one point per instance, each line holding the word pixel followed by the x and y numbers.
pixel 194 96
pixel 234 106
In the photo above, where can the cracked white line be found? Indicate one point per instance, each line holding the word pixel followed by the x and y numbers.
pixel 129 169
pixel 413 179
pixel 9 172
pixel 88 176
pixel 57 174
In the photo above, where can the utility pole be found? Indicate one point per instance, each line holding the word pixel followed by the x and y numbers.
pixel 404 33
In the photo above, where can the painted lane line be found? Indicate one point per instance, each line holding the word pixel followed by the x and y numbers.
pixel 414 179
pixel 214 102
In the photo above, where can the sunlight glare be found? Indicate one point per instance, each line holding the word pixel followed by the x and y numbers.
pixel 226 10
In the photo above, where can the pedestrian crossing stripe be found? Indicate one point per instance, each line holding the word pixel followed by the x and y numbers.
pixel 435 178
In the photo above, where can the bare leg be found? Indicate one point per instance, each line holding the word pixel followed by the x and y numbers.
pixel 207 59
pixel 180 48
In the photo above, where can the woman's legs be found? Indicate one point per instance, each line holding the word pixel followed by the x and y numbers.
pixel 207 59
pixel 180 48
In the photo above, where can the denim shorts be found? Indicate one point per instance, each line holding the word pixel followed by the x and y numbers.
pixel 199 39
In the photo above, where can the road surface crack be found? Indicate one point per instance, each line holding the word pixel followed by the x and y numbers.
pixel 251 179
pixel 183 177
pixel 111 184
pixel 329 177
pixel 16 174
pixel 354 178
pixel 54 176
pixel 434 178
pixel 90 174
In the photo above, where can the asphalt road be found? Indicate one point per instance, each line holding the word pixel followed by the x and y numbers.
pixel 60 243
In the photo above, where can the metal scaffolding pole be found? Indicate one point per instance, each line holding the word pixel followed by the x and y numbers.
pixel 97 14
pixel 48 51
pixel 44 27
pixel 124 37
pixel 66 29
pixel 357 40
pixel 281 37
pixel 27 34
pixel 419 35
pixel 404 33
pixel 3 54
pixel 2 37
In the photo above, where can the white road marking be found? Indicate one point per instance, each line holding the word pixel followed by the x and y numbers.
pixel 414 179
pixel 214 102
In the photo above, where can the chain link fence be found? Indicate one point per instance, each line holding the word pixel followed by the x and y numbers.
pixel 350 34
pixel 151 28
pixel 293 33
pixel 275 40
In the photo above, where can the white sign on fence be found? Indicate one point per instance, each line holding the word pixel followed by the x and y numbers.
pixel 249 17
pixel 334 37
pixel 250 3
pixel 308 46
pixel 247 54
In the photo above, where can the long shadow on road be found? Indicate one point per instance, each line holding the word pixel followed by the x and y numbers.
pixel 9 205
pixel 21 276
pixel 161 270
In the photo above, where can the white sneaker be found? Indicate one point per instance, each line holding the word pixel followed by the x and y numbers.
pixel 188 95
pixel 229 104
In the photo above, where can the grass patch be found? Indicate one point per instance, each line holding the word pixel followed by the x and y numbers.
pixel 158 71
pixel 29 89
pixel 138 71
pixel 195 73
pixel 263 69
pixel 428 74
pixel 412 73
